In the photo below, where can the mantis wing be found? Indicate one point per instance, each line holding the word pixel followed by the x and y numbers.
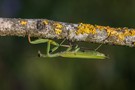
pixel 85 55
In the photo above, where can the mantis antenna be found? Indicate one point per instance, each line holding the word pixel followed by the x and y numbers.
pixel 102 43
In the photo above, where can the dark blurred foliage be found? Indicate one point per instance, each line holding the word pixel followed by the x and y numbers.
pixel 21 69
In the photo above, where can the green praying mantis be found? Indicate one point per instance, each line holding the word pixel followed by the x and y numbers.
pixel 70 52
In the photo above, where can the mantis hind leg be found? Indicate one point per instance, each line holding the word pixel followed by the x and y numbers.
pixel 57 46
pixel 76 48
pixel 98 47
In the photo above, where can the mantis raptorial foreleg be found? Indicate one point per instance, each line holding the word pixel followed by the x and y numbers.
pixel 39 41
pixel 49 42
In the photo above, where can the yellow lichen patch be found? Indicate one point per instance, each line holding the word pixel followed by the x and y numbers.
pixel 45 22
pixel 85 29
pixel 23 22
pixel 111 31
pixel 132 32
pixel 127 32
pixel 118 28
pixel 58 28
pixel 58 25
pixel 119 33
pixel 100 27
pixel 58 31
pixel 121 36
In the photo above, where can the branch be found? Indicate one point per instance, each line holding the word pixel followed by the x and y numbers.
pixel 44 28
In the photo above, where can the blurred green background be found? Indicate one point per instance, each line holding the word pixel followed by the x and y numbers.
pixel 21 69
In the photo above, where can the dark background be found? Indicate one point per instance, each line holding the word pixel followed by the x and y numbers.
pixel 21 69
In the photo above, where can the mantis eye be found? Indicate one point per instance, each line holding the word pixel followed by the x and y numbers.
pixel 39 54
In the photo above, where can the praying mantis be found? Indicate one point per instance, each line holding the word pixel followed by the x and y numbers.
pixel 70 52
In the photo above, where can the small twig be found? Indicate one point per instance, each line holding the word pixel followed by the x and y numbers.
pixel 43 28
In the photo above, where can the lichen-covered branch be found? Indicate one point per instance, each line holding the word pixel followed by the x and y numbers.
pixel 74 32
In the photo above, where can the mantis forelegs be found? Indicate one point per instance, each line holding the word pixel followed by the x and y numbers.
pixel 49 42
